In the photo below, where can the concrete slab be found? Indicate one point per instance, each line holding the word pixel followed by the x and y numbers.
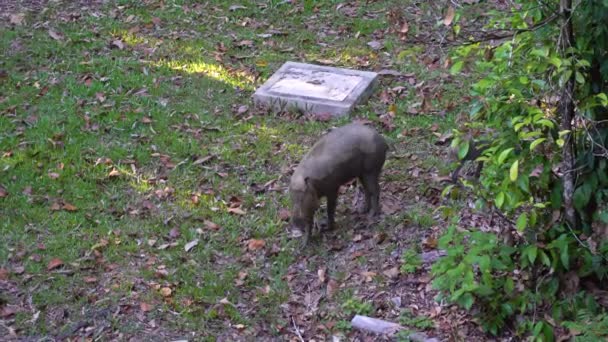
pixel 316 89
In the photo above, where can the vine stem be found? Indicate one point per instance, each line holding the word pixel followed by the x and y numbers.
pixel 567 112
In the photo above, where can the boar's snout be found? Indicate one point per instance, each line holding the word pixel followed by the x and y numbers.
pixel 305 204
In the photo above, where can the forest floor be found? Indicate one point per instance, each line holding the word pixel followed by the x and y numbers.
pixel 144 197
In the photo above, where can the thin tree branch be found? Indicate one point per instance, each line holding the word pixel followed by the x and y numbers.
pixel 566 109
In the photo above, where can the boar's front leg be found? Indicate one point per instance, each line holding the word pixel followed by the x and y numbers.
pixel 331 209
pixel 372 193
pixel 307 232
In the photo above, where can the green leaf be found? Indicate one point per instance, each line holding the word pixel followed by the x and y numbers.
pixel 513 172
pixel 565 77
pixel 447 190
pixel 540 52
pixel 560 142
pixel 580 79
pixel 532 251
pixel 456 67
pixel 603 99
pixel 536 143
pixel 463 150
pixel 583 63
pixel 564 257
pixel 500 199
pixel 467 300
pixel 546 122
pixel 517 127
pixel 555 61
pixel 522 222
pixel 582 195
pixel 504 154
pixel 475 109
pixel 545 259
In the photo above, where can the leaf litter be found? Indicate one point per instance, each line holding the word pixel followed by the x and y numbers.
pixel 314 302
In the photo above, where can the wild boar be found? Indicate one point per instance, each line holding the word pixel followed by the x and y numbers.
pixel 347 152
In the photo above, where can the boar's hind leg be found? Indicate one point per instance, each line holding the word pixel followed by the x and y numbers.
pixel 368 197
pixel 372 192
pixel 331 210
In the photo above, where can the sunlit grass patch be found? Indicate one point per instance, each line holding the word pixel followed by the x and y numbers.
pixel 215 71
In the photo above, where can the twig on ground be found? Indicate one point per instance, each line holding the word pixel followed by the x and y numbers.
pixel 296 329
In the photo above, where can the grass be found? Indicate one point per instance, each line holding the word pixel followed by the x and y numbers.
pixel 100 132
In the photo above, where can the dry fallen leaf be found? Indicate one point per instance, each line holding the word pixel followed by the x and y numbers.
pixel 392 272
pixel 100 245
pixel 449 17
pixel 233 8
pixel 538 170
pixel 284 214
pixel 17 19
pixel 174 233
pixel 166 292
pixel 54 263
pixel 3 191
pixel 255 244
pixel 55 35
pixel 100 97
pixel 212 226
pixel 114 173
pixel 332 288
pixel 190 245
pixel 245 43
pixel 90 280
pixel 237 211
pixel 376 45
pixel 429 243
pixel 403 30
pixel 241 278
pixel 321 274
pixel 242 109
pixel 53 175
pixel 145 307
pixel 368 276
pixel 118 43
pixel 7 311
pixel 203 160
pixel 3 274
pixel 69 207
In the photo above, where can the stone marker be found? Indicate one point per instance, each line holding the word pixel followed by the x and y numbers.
pixel 316 89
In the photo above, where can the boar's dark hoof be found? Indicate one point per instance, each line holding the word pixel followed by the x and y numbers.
pixel 372 217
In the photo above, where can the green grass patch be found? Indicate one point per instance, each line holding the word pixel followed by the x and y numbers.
pixel 103 130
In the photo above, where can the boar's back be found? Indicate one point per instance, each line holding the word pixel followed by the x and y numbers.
pixel 344 153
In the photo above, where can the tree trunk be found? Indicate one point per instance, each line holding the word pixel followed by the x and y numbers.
pixel 566 109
